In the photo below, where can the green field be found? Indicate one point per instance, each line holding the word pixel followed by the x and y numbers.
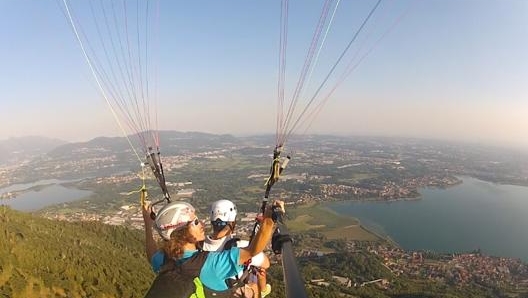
pixel 358 177
pixel 316 217
pixel 230 163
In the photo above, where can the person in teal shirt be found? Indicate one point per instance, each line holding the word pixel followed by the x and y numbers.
pixel 183 234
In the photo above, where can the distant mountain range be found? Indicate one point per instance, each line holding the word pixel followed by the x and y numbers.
pixel 18 149
pixel 43 158
pixel 172 142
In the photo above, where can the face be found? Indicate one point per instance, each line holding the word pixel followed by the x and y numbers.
pixel 196 229
pixel 223 230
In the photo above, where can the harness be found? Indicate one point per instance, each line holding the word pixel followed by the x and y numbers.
pixel 238 281
pixel 181 280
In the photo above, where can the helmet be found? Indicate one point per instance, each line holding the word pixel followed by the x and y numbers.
pixel 223 210
pixel 172 217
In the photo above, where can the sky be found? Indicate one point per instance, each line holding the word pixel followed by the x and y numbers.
pixel 436 69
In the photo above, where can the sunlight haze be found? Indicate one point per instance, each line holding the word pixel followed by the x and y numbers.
pixel 446 69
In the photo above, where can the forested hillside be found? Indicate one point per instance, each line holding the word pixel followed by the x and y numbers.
pixel 45 258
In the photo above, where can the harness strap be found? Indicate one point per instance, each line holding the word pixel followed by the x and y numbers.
pixel 199 292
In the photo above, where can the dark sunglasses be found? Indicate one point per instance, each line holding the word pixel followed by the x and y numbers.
pixel 219 223
pixel 195 222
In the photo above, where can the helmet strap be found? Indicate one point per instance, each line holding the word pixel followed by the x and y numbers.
pixel 231 226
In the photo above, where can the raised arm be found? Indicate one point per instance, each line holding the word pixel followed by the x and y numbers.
pixel 150 244
pixel 263 235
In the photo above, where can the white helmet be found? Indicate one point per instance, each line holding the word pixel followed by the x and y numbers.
pixel 172 217
pixel 223 210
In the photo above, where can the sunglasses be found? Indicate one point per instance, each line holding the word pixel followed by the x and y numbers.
pixel 195 222
pixel 219 223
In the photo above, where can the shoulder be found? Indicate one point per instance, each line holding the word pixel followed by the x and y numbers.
pixel 223 263
pixel 157 260
pixel 193 264
pixel 224 258
pixel 189 253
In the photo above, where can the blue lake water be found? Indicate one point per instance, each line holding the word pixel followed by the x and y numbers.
pixel 475 214
pixel 52 194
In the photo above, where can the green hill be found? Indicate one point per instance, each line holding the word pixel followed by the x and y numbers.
pixel 46 258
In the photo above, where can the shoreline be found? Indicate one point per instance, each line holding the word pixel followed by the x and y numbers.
pixel 377 219
pixel 372 231
pixel 363 227
pixel 349 222
pixel 380 236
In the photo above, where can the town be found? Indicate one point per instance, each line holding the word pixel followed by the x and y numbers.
pixel 376 170
pixel 457 269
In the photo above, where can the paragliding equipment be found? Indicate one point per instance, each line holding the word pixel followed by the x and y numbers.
pixel 123 73
pixel 288 121
pixel 276 169
pixel 154 160
pixel 281 240
pixel 115 39
pixel 282 244
pixel 277 166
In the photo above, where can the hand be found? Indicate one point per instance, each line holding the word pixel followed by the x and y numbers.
pixel 261 271
pixel 277 206
pixel 146 209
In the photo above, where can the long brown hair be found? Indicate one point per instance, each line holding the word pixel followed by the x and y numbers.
pixel 178 238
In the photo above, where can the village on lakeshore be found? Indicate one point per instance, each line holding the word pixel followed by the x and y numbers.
pixel 370 170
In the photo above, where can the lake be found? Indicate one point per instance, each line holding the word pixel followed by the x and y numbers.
pixel 475 214
pixel 52 193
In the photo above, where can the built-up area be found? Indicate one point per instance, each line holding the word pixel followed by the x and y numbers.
pixel 336 171
pixel 455 269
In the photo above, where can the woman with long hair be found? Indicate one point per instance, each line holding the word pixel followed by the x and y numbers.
pixel 183 234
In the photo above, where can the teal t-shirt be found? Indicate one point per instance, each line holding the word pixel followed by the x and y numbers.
pixel 157 261
pixel 218 266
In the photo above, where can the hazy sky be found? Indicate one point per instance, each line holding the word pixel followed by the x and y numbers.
pixel 448 69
